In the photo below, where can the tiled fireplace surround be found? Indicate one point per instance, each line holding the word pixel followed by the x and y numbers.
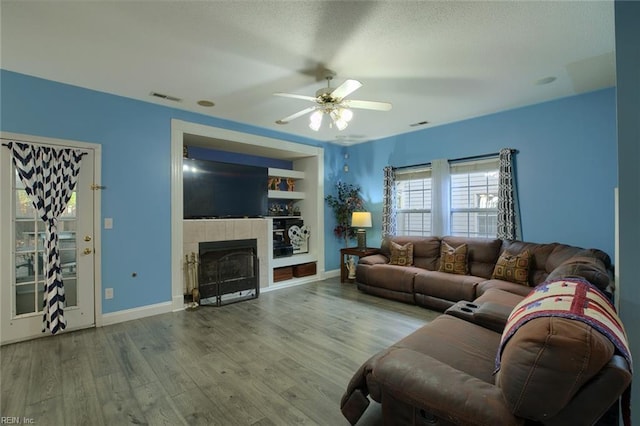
pixel 199 230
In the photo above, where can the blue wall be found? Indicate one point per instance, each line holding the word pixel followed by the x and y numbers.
pixel 136 167
pixel 566 169
pixel 566 166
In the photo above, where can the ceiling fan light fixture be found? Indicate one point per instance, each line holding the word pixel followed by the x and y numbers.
pixel 338 119
pixel 346 114
pixel 315 120
pixel 341 124
pixel 331 101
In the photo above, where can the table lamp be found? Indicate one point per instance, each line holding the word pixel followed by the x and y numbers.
pixel 361 220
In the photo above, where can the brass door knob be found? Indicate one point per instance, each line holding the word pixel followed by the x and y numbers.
pixel 87 238
pixel 87 251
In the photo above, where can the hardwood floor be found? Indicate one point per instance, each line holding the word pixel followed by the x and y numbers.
pixel 284 358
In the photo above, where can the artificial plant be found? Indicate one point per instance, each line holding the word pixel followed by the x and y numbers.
pixel 347 200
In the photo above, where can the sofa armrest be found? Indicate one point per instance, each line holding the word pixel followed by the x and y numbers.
pixel 488 314
pixel 374 259
pixel 605 387
pixel 427 384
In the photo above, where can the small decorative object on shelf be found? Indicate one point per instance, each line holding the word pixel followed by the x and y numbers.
pixel 291 184
pixel 299 237
pixel 274 183
pixel 281 208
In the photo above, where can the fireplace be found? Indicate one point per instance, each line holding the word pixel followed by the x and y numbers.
pixel 228 271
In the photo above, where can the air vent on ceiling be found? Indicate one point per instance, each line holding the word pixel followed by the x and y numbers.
pixel 166 97
pixel 419 123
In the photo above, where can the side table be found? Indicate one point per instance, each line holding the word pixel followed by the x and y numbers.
pixel 353 251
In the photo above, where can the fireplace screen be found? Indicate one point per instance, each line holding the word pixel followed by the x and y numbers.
pixel 228 272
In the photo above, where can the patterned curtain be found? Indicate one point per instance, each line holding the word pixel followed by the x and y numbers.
pixel 508 212
pixel 389 203
pixel 49 176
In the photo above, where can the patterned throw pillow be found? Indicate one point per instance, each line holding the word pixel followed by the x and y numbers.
pixel 453 260
pixel 401 255
pixel 513 268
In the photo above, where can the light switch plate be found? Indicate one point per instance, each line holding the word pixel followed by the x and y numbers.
pixel 108 223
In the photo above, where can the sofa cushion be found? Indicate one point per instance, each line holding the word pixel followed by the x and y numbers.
pixel 391 277
pixel 540 254
pixel 482 253
pixel 426 250
pixel 500 297
pixel 561 351
pixel 513 267
pixel 453 260
pixel 401 255
pixel 583 265
pixel 474 346
pixel 446 286
pixel 520 291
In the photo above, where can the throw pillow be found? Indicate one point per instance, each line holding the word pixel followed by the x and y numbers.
pixel 513 268
pixel 453 260
pixel 401 255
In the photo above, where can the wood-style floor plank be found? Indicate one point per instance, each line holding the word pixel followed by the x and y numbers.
pixel 282 359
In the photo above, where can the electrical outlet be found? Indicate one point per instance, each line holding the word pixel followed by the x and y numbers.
pixel 108 293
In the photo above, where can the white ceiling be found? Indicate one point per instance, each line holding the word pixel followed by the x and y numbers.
pixel 434 61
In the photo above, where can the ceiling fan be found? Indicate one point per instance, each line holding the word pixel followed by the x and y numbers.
pixel 331 101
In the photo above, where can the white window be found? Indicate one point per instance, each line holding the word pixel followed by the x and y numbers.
pixel 473 195
pixel 474 198
pixel 413 192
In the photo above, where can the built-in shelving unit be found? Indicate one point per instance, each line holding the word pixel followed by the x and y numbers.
pixel 307 196
pixel 299 195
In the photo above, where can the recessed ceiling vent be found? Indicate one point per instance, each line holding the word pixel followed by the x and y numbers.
pixel 165 97
pixel 419 123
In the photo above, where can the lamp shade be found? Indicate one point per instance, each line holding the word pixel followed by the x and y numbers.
pixel 361 219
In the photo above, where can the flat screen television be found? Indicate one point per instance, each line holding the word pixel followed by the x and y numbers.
pixel 214 189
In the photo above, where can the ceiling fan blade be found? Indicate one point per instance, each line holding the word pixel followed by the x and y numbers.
pixel 378 106
pixel 295 115
pixel 345 89
pixel 292 95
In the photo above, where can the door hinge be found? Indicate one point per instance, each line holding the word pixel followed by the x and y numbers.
pixel 95 187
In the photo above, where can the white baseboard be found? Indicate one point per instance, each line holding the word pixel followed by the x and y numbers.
pixel 136 313
pixel 178 303
pixel 165 307
pixel 290 283
pixel 332 274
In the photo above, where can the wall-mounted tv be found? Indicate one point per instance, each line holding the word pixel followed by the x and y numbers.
pixel 214 189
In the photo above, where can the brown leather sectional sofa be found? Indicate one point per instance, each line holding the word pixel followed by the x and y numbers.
pixel 554 370
pixel 423 284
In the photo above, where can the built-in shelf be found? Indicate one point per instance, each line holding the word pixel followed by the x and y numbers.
pixel 286 195
pixel 296 259
pixel 284 173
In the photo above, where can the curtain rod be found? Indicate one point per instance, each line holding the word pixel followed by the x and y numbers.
pixel 457 160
